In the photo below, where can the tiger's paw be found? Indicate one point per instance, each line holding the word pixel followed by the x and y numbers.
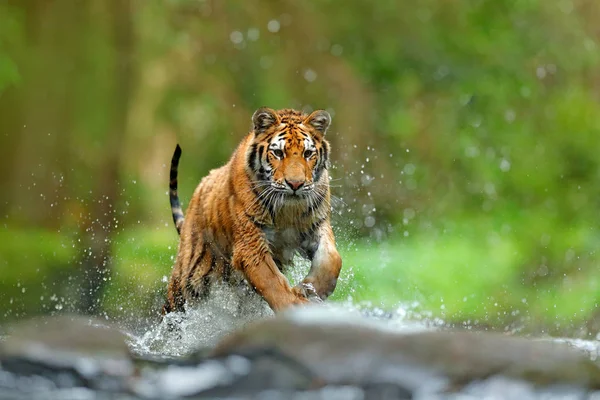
pixel 307 291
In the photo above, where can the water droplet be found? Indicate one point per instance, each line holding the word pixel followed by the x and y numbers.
pixel 409 169
pixel 310 75
pixel 472 151
pixel 504 165
pixel 540 72
pixel 273 26
pixel 236 37
pixel 525 91
pixel 337 50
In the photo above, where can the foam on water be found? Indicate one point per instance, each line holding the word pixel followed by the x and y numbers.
pixel 590 347
pixel 398 320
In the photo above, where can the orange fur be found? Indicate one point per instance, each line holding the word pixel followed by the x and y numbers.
pixel 249 217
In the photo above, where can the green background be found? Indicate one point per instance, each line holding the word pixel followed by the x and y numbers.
pixel 465 135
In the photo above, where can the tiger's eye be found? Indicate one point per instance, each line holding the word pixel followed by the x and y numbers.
pixel 278 153
pixel 307 153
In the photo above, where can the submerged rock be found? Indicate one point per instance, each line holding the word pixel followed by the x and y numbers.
pixel 69 352
pixel 237 375
pixel 74 357
pixel 69 334
pixel 349 353
pixel 306 353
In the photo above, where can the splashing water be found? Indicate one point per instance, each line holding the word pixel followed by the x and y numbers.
pixel 202 324
pixel 227 309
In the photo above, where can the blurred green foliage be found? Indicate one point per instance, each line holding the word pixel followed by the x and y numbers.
pixel 466 137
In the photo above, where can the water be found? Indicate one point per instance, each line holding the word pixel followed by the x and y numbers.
pixel 202 326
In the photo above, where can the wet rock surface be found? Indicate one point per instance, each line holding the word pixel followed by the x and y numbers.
pixel 45 356
pixel 369 354
pixel 304 354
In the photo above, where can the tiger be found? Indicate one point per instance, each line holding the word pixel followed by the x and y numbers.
pixel 247 219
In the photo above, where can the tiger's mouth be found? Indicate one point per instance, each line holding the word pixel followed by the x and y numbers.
pixel 304 191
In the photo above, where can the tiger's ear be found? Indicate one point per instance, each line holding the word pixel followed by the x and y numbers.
pixel 320 120
pixel 263 119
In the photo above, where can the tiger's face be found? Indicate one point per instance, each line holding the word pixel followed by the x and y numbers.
pixel 289 153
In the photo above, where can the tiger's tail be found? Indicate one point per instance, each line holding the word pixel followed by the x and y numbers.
pixel 173 197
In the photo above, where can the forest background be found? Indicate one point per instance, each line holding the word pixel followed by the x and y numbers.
pixel 465 134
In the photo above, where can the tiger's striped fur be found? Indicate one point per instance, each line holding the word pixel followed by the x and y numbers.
pixel 248 218
pixel 176 209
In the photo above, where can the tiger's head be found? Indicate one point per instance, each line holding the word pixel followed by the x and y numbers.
pixel 289 152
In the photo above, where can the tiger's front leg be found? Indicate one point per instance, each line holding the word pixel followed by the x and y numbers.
pixel 325 265
pixel 251 256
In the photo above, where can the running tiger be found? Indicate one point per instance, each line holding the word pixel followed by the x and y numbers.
pixel 248 218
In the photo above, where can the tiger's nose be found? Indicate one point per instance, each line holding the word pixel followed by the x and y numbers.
pixel 295 185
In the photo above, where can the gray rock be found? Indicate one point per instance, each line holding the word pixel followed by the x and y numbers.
pixel 328 355
pixel 69 351
pixel 350 353
pixel 57 357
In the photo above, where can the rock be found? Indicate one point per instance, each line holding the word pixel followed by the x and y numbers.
pixel 69 352
pixel 239 375
pixel 42 357
pixel 350 353
pixel 65 333
pixel 329 355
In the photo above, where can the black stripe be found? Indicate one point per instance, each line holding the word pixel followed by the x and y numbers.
pixel 314 227
pixel 226 271
pixel 174 166
pixel 252 157
pixel 318 166
pixel 176 211
pixel 323 158
pixel 261 174
pixel 194 268
pixel 270 209
pixel 206 278
pixel 261 150
pixel 259 225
